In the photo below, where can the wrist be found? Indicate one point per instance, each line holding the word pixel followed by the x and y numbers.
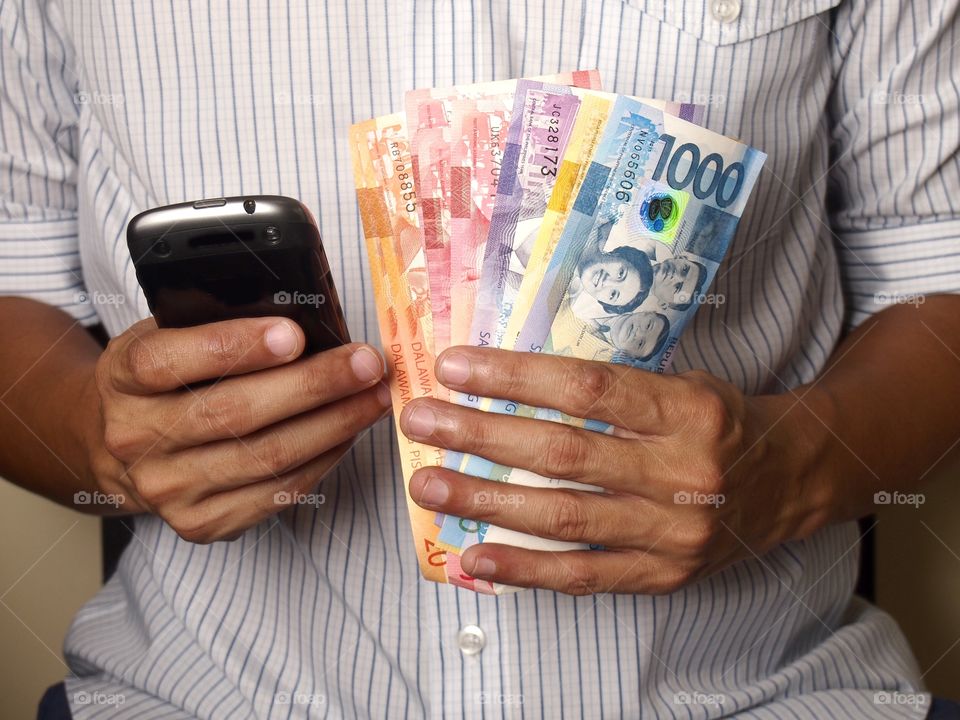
pixel 800 443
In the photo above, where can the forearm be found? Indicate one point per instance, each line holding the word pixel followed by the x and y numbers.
pixel 49 412
pixel 883 413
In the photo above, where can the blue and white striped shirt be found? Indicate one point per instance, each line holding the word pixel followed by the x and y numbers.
pixel 111 107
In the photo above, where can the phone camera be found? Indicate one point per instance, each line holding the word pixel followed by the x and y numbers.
pixel 273 234
pixel 161 247
pixel 249 206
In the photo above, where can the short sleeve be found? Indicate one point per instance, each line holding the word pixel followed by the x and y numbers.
pixel 39 254
pixel 894 182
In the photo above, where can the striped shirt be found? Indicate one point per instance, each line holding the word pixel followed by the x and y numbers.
pixel 110 107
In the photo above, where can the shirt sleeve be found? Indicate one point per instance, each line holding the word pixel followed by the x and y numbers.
pixel 39 96
pixel 894 182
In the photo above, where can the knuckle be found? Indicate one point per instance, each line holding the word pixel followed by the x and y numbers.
pixel 581 578
pixel 479 434
pixel 141 364
pixel 712 476
pixel 122 440
pixel 708 410
pixel 314 381
pixel 362 414
pixel 680 576
pixel 153 487
pixel 225 347
pixel 103 371
pixel 697 537
pixel 566 518
pixel 512 375
pixel 586 387
pixel 219 411
pixel 567 453
pixel 274 453
pixel 190 526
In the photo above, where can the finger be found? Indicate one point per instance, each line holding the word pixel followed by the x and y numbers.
pixel 576 572
pixel 621 521
pixel 615 394
pixel 241 405
pixel 275 450
pixel 147 360
pixel 551 449
pixel 226 515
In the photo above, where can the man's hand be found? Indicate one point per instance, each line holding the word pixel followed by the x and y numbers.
pixel 214 427
pixel 696 475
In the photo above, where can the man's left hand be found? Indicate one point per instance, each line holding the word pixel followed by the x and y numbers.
pixel 696 474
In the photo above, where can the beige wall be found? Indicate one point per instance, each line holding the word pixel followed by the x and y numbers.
pixel 50 564
pixel 918 578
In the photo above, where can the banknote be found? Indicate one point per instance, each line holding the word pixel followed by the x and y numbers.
pixel 477 121
pixel 653 234
pixel 430 121
pixel 479 127
pixel 387 200
pixel 656 210
pixel 544 116
pixel 512 308
pixel 657 185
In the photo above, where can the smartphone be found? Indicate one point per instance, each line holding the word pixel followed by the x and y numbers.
pixel 232 257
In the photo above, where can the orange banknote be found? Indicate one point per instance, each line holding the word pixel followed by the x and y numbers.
pixel 388 209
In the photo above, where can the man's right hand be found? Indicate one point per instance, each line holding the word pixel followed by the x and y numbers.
pixel 215 428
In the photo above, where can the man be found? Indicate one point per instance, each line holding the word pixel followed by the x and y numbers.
pixel 717 609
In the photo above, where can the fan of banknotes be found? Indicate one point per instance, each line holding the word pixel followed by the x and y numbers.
pixel 537 215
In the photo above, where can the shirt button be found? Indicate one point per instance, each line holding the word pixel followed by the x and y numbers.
pixel 725 11
pixel 471 639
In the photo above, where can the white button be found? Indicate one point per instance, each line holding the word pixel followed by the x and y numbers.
pixel 725 11
pixel 471 639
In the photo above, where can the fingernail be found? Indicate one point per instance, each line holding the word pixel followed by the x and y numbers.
pixel 281 339
pixel 435 492
pixel 383 395
pixel 421 422
pixel 454 369
pixel 483 567
pixel 366 365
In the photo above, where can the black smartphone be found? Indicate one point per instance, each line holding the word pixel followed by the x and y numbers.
pixel 224 258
